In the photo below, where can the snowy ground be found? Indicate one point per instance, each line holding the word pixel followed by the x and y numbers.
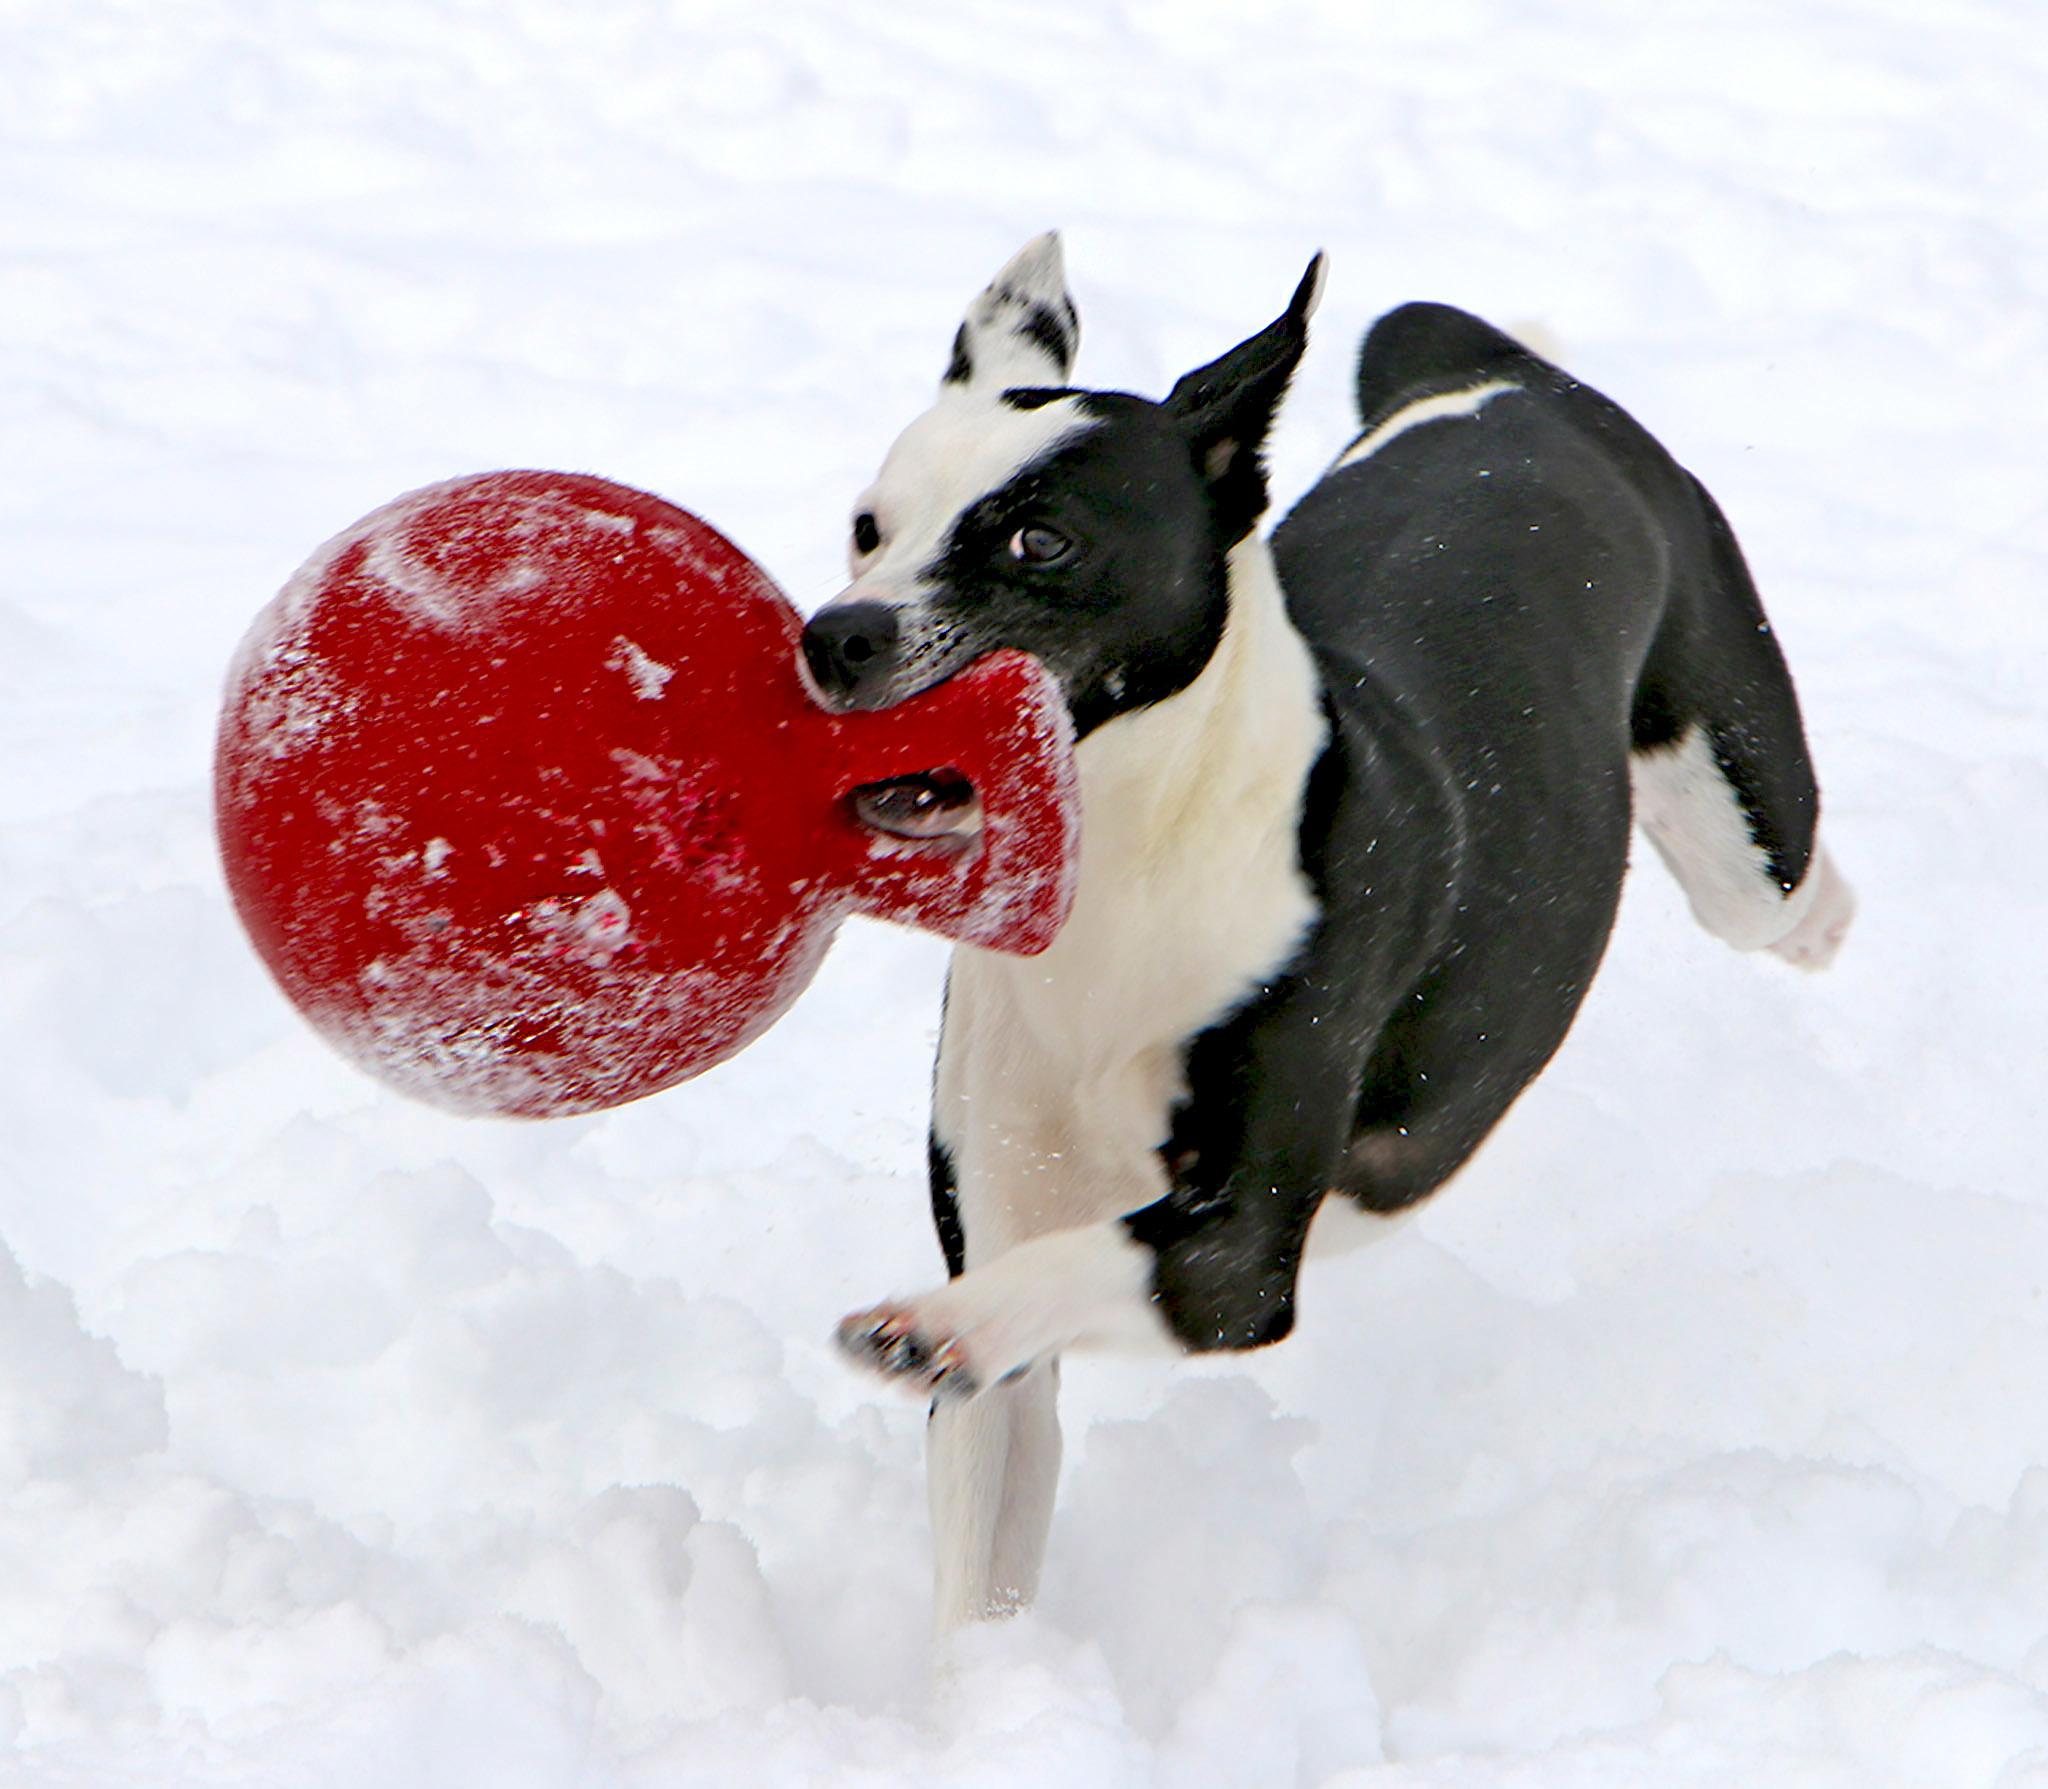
pixel 1698 1435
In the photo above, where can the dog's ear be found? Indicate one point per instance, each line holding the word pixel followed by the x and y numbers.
pixel 1225 409
pixel 1022 330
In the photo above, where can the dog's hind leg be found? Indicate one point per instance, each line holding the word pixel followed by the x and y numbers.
pixel 1693 809
pixel 993 1464
pixel 1722 782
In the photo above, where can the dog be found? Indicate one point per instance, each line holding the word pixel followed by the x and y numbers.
pixel 1355 814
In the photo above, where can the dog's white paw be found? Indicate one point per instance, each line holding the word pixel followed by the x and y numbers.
pixel 1085 1287
pixel 897 1342
pixel 1817 936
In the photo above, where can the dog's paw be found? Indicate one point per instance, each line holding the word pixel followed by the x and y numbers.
pixel 1086 1287
pixel 893 1341
pixel 1814 940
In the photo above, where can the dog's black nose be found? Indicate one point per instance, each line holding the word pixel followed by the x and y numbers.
pixel 852 651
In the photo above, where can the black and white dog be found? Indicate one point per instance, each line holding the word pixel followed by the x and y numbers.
pixel 1355 811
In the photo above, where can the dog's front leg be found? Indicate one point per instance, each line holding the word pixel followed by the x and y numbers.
pixel 986 1347
pixel 1194 1272
pixel 1087 1287
pixel 1213 1264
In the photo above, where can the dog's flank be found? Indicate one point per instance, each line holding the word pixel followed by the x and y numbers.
pixel 1355 808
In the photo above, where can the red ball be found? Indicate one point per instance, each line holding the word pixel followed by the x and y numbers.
pixel 525 799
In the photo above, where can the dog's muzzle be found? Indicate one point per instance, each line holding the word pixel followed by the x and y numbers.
pixel 855 652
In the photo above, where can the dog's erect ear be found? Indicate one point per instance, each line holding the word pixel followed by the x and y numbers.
pixel 1022 330
pixel 1225 409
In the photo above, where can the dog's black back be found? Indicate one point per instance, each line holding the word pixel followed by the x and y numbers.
pixel 1506 606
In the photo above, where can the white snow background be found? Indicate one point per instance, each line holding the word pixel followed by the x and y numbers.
pixel 1698 1434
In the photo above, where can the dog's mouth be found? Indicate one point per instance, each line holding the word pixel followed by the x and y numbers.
pixel 935 807
pixel 865 653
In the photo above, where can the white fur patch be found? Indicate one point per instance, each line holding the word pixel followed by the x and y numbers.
pixel 965 446
pixel 1085 1288
pixel 1446 404
pixel 1830 907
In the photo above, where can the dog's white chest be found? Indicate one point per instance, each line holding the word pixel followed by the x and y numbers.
pixel 1058 1073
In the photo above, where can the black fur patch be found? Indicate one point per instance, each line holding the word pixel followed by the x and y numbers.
pixel 1035 397
pixel 945 1188
pixel 1225 410
pixel 1131 614
pixel 1052 330
pixel 1787 858
pixel 960 369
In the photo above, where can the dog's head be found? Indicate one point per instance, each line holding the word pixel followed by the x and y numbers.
pixel 1087 528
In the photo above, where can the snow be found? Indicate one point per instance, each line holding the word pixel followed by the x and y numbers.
pixel 1697 1435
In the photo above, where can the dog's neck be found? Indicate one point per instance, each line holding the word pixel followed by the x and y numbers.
pixel 1191 895
pixel 1191 891
pixel 1231 750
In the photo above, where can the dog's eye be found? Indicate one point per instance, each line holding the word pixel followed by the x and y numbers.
pixel 1039 545
pixel 867 533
